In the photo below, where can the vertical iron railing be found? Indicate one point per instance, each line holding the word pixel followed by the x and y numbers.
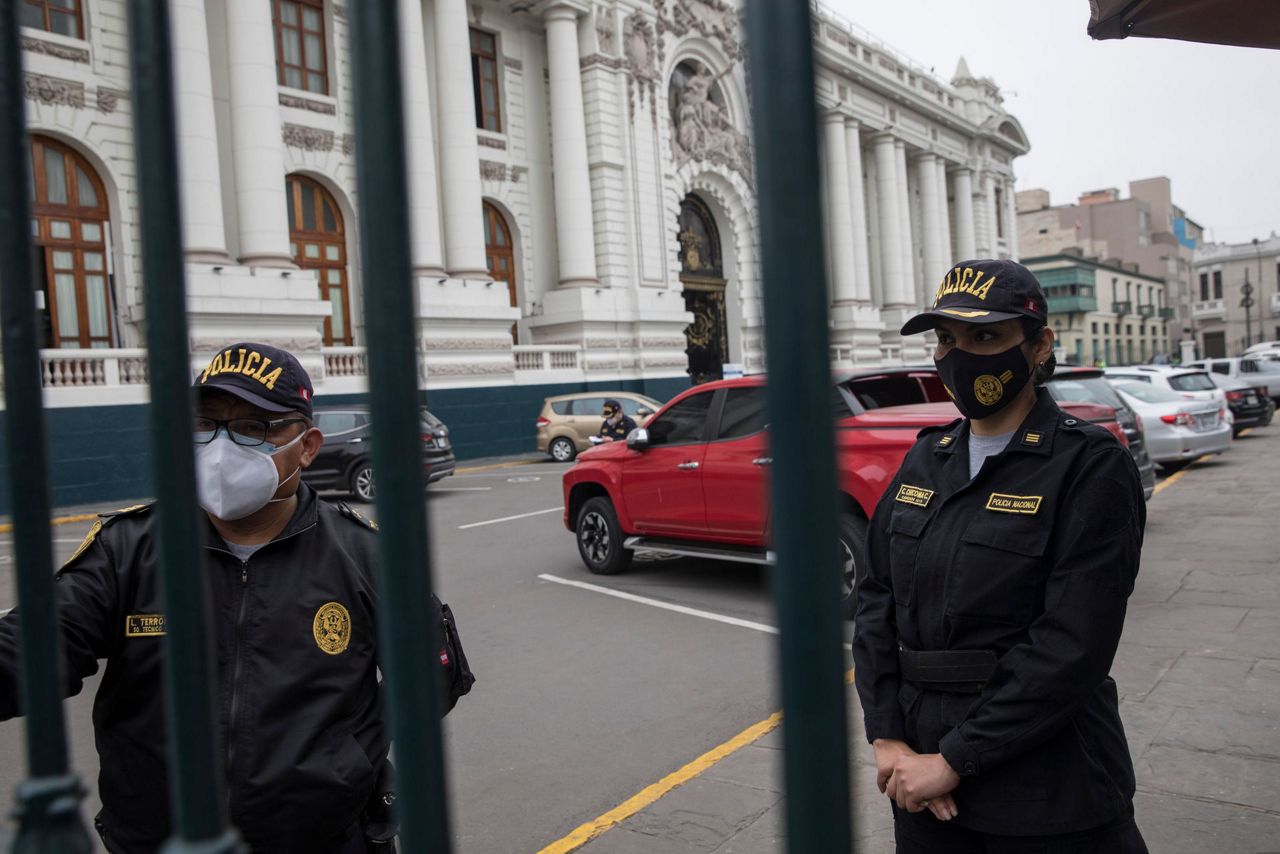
pixel 806 578
pixel 404 576
pixel 48 801
pixel 195 769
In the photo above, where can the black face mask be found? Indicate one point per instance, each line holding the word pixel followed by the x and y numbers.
pixel 983 385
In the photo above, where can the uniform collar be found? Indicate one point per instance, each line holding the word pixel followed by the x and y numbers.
pixel 1034 435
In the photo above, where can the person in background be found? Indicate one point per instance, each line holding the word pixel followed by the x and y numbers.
pixel 617 425
pixel 992 599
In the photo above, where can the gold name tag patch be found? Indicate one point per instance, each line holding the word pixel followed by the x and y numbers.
pixel 914 495
pixel 144 625
pixel 1028 504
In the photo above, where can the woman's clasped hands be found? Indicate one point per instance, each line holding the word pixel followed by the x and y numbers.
pixel 916 781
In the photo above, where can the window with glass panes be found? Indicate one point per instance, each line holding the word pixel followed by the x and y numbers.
pixel 69 228
pixel 300 53
pixel 54 16
pixel 499 253
pixel 318 242
pixel 484 79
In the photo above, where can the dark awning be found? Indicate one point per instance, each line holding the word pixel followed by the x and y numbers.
pixel 1247 23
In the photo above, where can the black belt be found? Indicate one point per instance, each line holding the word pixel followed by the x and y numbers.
pixel 959 671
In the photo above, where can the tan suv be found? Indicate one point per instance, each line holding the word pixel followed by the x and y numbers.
pixel 568 419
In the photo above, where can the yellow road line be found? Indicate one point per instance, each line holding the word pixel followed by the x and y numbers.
pixel 58 520
pixel 650 794
pixel 1167 482
pixel 496 466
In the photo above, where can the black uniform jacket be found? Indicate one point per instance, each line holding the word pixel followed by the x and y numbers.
pixel 1034 559
pixel 301 723
pixel 620 431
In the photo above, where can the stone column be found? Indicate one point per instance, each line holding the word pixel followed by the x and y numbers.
pixel 423 196
pixel 204 236
pixel 966 240
pixel 927 177
pixel 841 228
pixel 989 211
pixel 992 214
pixel 459 155
pixel 1011 219
pixel 906 247
pixel 256 141
pixel 888 199
pixel 858 209
pixel 575 226
pixel 944 218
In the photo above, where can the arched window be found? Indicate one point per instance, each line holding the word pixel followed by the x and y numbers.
pixel 499 252
pixel 69 227
pixel 317 241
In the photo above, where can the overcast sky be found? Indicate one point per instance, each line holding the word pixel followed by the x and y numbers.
pixel 1103 113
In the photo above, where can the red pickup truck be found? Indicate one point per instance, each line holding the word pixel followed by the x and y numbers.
pixel 694 480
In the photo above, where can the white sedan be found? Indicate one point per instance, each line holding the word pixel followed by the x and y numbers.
pixel 1177 430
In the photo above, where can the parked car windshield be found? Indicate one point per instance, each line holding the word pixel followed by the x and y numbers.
pixel 1084 390
pixel 1197 381
pixel 1149 393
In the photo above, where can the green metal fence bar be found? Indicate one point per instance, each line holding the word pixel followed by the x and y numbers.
pixel 408 654
pixel 806 579
pixel 195 771
pixel 48 801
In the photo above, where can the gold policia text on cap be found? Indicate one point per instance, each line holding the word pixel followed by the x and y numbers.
pixel 964 281
pixel 226 363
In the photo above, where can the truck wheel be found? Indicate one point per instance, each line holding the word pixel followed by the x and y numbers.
pixel 600 538
pixel 562 450
pixel 853 540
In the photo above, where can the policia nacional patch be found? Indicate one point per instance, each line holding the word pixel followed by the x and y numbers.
pixel 332 628
pixel 1027 504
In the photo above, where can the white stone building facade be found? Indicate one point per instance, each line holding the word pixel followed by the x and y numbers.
pixel 582 198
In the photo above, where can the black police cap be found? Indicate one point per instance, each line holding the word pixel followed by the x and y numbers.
pixel 983 291
pixel 266 376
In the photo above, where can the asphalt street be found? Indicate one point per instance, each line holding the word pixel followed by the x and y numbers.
pixel 582 698
pixel 585 698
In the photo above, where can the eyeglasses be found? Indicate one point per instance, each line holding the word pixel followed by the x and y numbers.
pixel 243 431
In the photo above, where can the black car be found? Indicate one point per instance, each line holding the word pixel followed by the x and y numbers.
pixel 1249 406
pixel 346 460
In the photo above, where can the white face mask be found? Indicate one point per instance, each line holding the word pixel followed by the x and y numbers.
pixel 234 481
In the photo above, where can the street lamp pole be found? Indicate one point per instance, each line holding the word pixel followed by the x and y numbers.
pixel 1257 250
pixel 1247 302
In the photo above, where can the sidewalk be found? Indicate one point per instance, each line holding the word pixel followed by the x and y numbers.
pixel 1199 676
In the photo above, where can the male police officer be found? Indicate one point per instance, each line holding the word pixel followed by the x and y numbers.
pixel 294 608
pixel 617 425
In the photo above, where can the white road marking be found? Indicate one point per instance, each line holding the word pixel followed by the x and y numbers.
pixel 666 606
pixel 531 478
pixel 510 518
pixel 461 488
pixel 5 611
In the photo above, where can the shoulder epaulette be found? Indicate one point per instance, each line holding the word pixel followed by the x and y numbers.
pixel 939 428
pixel 132 510
pixel 351 513
pixel 105 519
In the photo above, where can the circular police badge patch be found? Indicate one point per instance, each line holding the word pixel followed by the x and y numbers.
pixel 987 389
pixel 332 628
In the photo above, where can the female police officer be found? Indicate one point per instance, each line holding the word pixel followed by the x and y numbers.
pixel 998 566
